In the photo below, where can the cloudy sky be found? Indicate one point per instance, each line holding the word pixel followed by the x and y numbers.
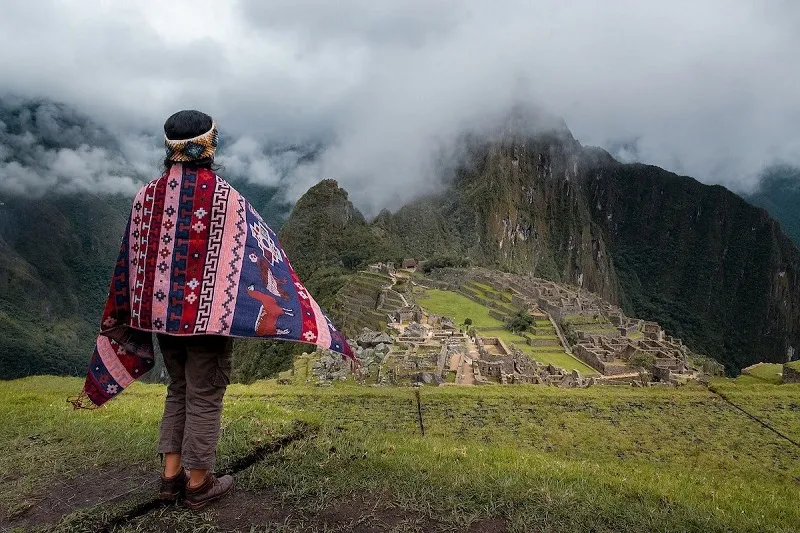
pixel 707 88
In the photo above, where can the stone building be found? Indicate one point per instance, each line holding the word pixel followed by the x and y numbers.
pixel 410 264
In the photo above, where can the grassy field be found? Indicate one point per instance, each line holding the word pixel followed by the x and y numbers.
pixel 560 359
pixel 493 459
pixel 458 307
pixel 767 372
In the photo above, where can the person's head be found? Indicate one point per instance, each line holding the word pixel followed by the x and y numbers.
pixel 190 137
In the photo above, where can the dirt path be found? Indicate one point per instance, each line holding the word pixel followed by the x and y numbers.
pixel 467 377
pixel 85 489
pixel 455 362
pixel 242 511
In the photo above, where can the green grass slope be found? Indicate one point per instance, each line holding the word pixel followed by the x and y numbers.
pixel 512 459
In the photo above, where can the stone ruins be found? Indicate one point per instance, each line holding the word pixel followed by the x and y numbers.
pixel 500 364
pixel 421 347
pixel 589 328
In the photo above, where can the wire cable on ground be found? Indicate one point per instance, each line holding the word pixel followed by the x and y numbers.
pixel 752 416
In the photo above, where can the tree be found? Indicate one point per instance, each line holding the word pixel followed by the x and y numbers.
pixel 520 322
pixel 643 361
pixel 467 321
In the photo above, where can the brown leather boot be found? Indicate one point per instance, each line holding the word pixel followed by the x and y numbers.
pixel 210 490
pixel 173 488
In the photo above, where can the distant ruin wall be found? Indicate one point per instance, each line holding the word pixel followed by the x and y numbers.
pixel 588 357
pixel 498 315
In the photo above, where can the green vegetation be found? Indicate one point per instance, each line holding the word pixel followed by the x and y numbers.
pixel 731 249
pixel 444 262
pixel 794 365
pixel 56 258
pixel 529 458
pixel 485 288
pixel 643 361
pixel 458 307
pixel 520 322
pixel 325 230
pixel 561 359
pixel 766 372
pixel 774 404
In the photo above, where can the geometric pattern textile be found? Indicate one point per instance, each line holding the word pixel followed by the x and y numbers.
pixel 201 147
pixel 197 259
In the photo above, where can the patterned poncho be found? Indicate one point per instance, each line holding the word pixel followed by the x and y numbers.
pixel 196 259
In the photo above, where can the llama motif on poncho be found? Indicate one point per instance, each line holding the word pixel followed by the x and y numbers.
pixel 197 259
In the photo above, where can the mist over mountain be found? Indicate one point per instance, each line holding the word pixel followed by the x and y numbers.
pixel 779 193
pixel 48 147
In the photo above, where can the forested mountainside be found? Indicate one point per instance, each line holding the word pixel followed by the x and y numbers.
pixel 713 269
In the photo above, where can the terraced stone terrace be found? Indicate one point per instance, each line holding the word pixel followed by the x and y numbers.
pixel 359 302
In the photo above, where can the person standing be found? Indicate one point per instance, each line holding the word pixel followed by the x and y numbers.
pixel 197 266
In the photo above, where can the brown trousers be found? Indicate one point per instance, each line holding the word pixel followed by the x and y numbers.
pixel 199 369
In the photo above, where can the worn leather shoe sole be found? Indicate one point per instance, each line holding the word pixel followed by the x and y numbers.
pixel 199 505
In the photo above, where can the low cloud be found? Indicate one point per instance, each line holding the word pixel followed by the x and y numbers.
pixel 46 147
pixel 701 88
